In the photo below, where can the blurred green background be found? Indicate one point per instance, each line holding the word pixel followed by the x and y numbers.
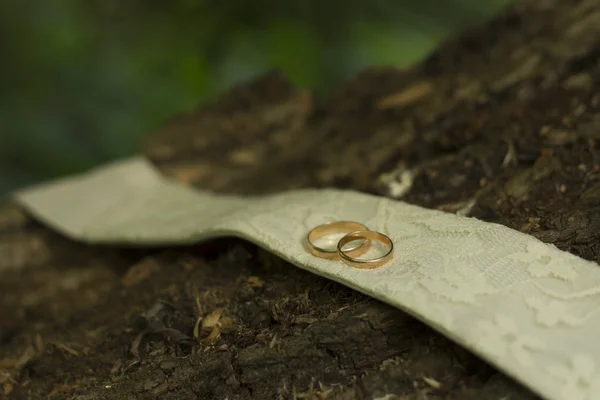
pixel 82 81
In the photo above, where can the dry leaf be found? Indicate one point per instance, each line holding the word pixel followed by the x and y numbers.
pixel 213 337
pixel 66 348
pixel 7 388
pixel 140 271
pixel 256 282
pixel 211 319
pixel 189 173
pixel 27 356
pixel 432 382
pixel 305 319
pixel 197 329
pixel 39 343
pixel 405 97
pixel 226 324
pixel 205 326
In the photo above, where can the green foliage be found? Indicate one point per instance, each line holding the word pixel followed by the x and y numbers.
pixel 82 81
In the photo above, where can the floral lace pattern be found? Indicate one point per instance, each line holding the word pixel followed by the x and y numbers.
pixel 540 264
pixel 553 312
pixel 501 337
pixel 580 378
pixel 524 306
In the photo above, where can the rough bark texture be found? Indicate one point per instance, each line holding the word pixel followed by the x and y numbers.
pixel 501 124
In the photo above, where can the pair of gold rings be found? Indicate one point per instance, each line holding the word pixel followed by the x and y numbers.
pixel 353 232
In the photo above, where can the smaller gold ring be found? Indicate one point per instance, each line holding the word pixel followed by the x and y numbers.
pixel 333 228
pixel 365 263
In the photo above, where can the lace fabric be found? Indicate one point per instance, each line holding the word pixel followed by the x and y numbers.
pixel 526 307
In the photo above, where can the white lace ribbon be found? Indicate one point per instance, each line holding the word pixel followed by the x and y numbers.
pixel 528 308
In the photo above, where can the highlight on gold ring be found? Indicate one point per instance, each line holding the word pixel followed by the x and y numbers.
pixel 332 228
pixel 368 263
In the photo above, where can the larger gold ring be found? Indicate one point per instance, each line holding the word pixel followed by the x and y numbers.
pixel 330 228
pixel 369 263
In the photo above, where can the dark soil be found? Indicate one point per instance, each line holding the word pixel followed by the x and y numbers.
pixel 501 124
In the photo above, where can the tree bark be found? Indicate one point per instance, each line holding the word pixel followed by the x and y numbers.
pixel 501 123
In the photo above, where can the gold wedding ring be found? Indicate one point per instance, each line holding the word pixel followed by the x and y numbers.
pixel 333 228
pixel 365 263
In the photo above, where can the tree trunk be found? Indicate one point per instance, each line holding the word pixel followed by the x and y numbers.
pixel 501 124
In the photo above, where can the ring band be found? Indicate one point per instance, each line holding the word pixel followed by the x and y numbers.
pixel 333 228
pixel 365 263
